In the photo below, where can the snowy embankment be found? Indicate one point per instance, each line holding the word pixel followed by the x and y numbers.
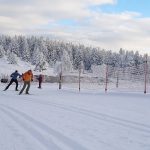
pixel 52 119
pixel 21 66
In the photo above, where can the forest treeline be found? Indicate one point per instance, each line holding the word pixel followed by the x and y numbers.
pixel 42 52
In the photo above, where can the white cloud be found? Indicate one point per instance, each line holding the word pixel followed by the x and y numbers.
pixel 127 29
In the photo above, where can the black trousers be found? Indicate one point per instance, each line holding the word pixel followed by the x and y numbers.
pixel 11 81
pixel 40 82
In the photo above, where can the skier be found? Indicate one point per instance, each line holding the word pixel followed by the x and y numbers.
pixel 40 79
pixel 13 76
pixel 27 78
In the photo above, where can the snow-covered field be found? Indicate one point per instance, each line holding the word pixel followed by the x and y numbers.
pixel 52 119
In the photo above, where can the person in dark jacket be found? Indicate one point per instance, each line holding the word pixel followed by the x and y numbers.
pixel 40 79
pixel 13 76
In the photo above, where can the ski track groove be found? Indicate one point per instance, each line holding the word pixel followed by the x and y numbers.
pixel 100 116
pixel 14 132
pixel 35 133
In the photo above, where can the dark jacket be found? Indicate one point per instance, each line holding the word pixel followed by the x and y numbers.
pixel 40 78
pixel 15 75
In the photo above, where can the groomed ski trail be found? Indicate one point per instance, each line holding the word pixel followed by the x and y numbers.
pixel 39 131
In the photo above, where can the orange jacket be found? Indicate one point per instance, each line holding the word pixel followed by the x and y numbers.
pixel 27 76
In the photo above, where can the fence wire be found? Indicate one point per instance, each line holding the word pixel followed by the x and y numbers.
pixel 108 78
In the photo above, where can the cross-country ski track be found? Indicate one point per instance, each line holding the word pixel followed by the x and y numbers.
pixel 52 119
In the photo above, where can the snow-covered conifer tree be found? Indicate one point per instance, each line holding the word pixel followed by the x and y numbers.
pixel 14 46
pixel 2 53
pixel 87 59
pixel 78 59
pixel 41 63
pixel 12 58
pixel 25 52
pixel 66 62
pixel 58 68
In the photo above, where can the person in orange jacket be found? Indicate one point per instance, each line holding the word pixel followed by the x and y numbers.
pixel 27 78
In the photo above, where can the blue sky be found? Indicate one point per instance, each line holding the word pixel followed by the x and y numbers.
pixel 67 22
pixel 140 6
pixel 109 24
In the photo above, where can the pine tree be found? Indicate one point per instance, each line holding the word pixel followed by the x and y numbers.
pixel 2 53
pixel 66 62
pixel 78 59
pixel 12 58
pixel 41 63
pixel 14 46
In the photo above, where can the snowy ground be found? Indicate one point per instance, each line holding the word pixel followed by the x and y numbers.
pixel 52 119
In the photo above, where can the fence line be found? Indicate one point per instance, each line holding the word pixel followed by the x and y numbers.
pixel 106 77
